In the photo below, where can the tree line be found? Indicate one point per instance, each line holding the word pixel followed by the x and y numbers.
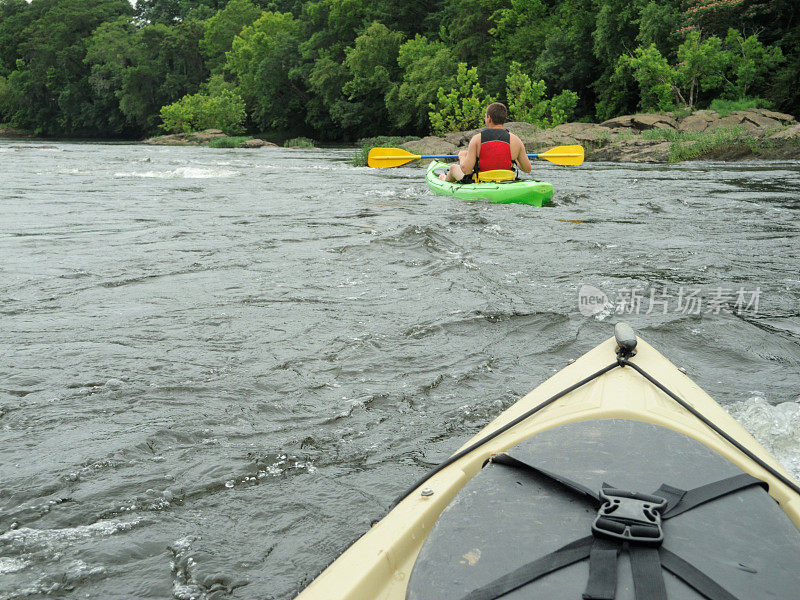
pixel 349 69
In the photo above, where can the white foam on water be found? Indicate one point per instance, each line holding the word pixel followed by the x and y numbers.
pixel 304 168
pixel 776 427
pixel 11 565
pixel 181 173
pixel 29 539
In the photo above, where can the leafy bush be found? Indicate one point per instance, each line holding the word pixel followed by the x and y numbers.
pixel 527 101
pixel 366 144
pixel 299 142
pixel 229 142
pixel 197 112
pixel 461 107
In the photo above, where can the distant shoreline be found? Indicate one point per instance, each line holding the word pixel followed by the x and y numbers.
pixel 753 134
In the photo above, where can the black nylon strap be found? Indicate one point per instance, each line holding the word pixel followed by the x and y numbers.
pixel 648 580
pixel 563 557
pixel 602 584
pixel 695 578
pixel 671 494
pixel 712 491
pixel 572 486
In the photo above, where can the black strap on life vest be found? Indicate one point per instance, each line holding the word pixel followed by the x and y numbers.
pixel 625 521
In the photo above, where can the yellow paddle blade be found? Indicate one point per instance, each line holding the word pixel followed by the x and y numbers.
pixel 389 157
pixel 564 155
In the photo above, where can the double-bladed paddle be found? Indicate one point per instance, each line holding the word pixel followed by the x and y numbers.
pixel 394 157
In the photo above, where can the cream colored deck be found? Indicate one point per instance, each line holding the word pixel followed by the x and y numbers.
pixel 378 565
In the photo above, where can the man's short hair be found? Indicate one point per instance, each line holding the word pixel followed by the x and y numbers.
pixel 497 112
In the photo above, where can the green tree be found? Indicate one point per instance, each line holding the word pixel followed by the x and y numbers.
pixel 715 17
pixel 462 106
pixel 614 35
pixel 426 66
pixel 264 60
pixel 50 93
pixel 197 112
pixel 15 17
pixel 750 62
pixel 466 28
pixel 110 50
pixel 656 78
pixel 527 100
pixel 518 34
pixel 331 26
pixel 566 60
pixel 562 107
pixel 220 30
pixel 170 12
pixel 659 23
pixel 701 64
pixel 144 68
pixel 373 69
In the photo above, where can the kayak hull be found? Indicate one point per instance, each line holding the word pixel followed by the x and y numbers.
pixel 534 193
pixel 379 565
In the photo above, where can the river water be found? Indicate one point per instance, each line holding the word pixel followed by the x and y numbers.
pixel 217 367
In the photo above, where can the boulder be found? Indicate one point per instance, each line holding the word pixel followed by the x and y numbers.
pixel 771 114
pixel 755 120
pixel 791 133
pixel 460 138
pixel 656 152
pixel 547 138
pixel 205 136
pixel 522 129
pixel 253 143
pixel 574 129
pixel 750 120
pixel 697 121
pixel 175 139
pixel 641 122
pixel 430 145
pixel 632 150
pixel 593 134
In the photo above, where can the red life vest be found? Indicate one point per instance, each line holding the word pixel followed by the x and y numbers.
pixel 495 152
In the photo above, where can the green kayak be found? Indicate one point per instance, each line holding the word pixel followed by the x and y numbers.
pixel 530 192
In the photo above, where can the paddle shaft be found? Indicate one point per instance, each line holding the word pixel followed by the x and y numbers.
pixel 395 157
pixel 431 156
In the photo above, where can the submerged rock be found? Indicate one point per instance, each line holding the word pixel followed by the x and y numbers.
pixel 196 138
pixel 257 143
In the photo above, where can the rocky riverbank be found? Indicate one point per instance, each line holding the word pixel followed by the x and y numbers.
pixel 654 138
pixel 204 138
pixel 6 131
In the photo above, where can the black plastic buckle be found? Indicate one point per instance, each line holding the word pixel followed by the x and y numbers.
pixel 629 517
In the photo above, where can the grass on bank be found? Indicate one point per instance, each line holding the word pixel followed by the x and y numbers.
pixel 726 107
pixel 299 142
pixel 234 141
pixel 723 143
pixel 384 141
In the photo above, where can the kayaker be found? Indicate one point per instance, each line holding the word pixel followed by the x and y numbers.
pixel 494 148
